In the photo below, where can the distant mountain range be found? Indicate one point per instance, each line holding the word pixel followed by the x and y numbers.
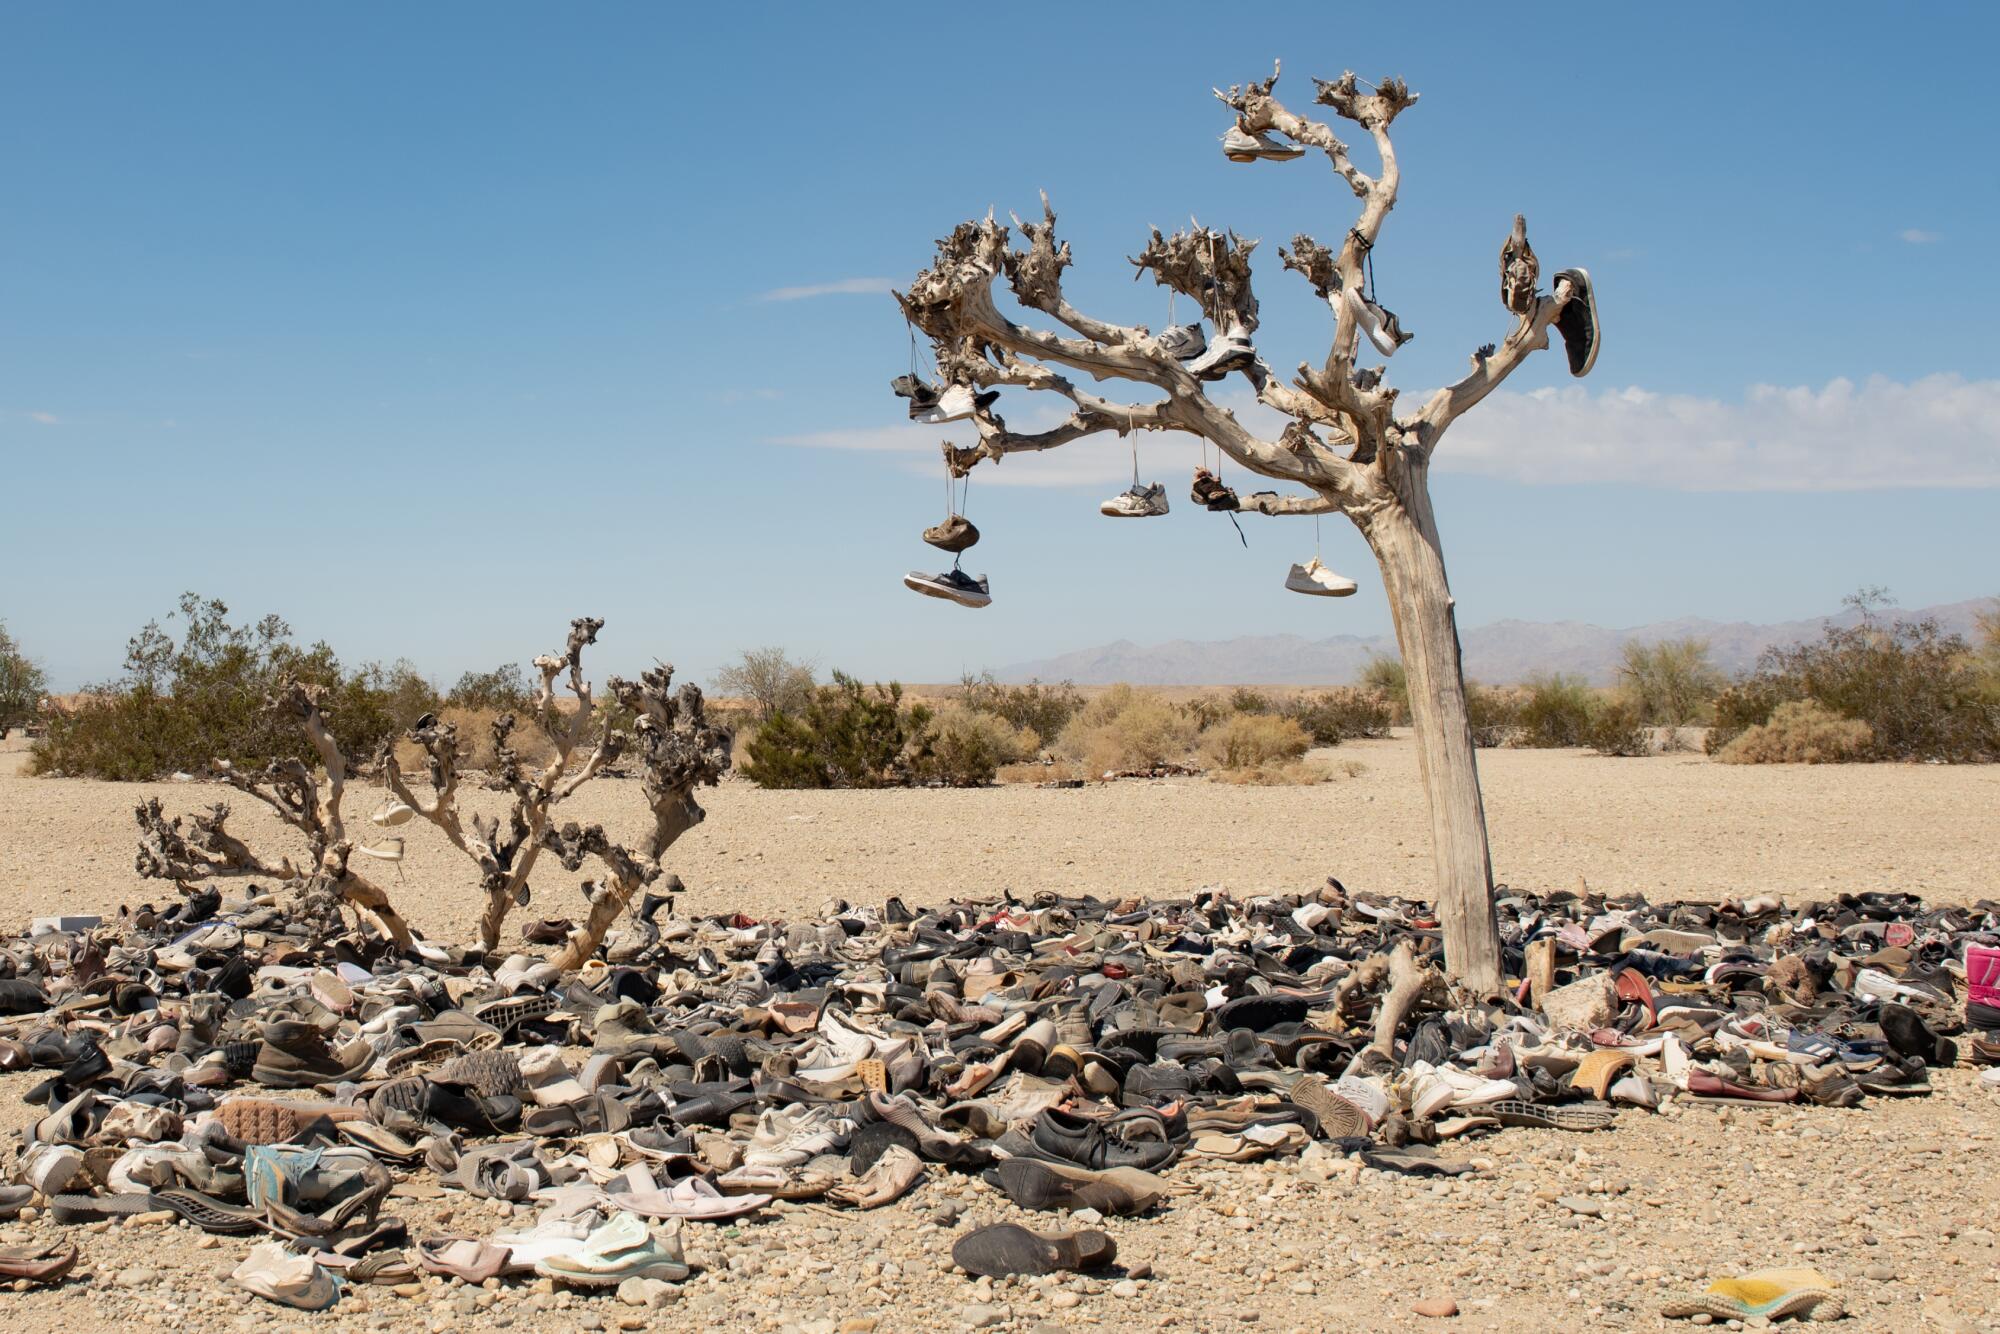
pixel 1501 652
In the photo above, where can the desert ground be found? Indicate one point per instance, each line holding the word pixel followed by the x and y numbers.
pixel 1891 1198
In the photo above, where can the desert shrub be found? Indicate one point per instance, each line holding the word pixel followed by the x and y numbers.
pixel 770 681
pixel 847 735
pixel 1801 731
pixel 1494 713
pixel 504 689
pixel 1277 773
pixel 184 702
pixel 1387 676
pixel 1616 727
pixel 1671 683
pixel 1205 710
pixel 1248 699
pixel 1920 690
pixel 1125 729
pixel 968 746
pixel 22 684
pixel 1555 711
pixel 1332 716
pixel 1042 708
pixel 1248 740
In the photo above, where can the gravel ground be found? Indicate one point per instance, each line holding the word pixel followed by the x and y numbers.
pixel 1890 1198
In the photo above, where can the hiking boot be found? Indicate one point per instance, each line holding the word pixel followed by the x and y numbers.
pixel 955 534
pixel 952 585
pixel 923 398
pixel 296 1055
pixel 1209 492
pixel 1241 145
pixel 1319 581
pixel 1004 1249
pixel 1138 502
pixel 1577 321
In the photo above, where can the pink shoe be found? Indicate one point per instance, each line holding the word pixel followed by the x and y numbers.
pixel 1982 975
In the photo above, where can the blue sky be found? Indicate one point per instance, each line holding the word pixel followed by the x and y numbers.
pixel 432 326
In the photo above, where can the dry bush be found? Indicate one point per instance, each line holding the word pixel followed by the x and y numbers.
pixel 1386 676
pixel 1249 740
pixel 1616 727
pixel 1344 714
pixel 476 749
pixel 1125 729
pixel 1494 713
pixel 968 746
pixel 1556 711
pixel 1801 731
pixel 1033 773
pixel 1041 707
pixel 1672 683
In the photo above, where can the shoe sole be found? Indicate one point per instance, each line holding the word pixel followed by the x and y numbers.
pixel 670 1273
pixel 1338 1118
pixel 94 1208
pixel 209 1214
pixel 1510 1112
pixel 506 1014
pixel 261 1121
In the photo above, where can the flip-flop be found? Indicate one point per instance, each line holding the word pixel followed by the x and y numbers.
pixel 49 1262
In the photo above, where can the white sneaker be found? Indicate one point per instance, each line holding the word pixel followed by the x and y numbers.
pixel 392 813
pixel 1316 579
pixel 955 404
pixel 1140 502
pixel 1240 145
pixel 1227 353
pixel 1379 324
pixel 1183 342
pixel 952 586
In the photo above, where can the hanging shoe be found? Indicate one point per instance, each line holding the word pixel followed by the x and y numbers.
pixel 955 534
pixel 955 404
pixel 1577 321
pixel 1231 351
pixel 1241 145
pixel 1183 342
pixel 1316 579
pixel 1209 492
pixel 953 586
pixel 1136 502
pixel 922 397
pixel 1376 321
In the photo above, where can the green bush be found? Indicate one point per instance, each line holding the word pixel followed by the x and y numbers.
pixel 1616 727
pixel 1332 716
pixel 848 735
pixel 1388 677
pixel 1040 708
pixel 22 684
pixel 505 689
pixel 1248 699
pixel 1494 713
pixel 1125 730
pixel 1801 731
pixel 1250 741
pixel 1555 711
pixel 1672 683
pixel 1922 692
pixel 183 703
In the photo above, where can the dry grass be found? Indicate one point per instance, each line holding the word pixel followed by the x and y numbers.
pixel 475 741
pixel 1801 732
pixel 1124 729
pixel 1252 740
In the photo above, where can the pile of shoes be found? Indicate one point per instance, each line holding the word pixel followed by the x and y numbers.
pixel 221 1061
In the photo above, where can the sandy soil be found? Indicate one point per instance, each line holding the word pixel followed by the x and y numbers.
pixel 1889 1198
pixel 1671 826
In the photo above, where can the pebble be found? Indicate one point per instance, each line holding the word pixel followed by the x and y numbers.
pixel 1436 1306
pixel 1879 1272
pixel 1124 1287
pixel 981 1315
pixel 1063 1301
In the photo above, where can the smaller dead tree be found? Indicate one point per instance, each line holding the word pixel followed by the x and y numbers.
pixel 678 750
pixel 505 855
pixel 198 847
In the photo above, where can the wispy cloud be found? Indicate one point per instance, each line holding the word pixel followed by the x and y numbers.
pixel 840 287
pixel 45 418
pixel 1918 236
pixel 1941 430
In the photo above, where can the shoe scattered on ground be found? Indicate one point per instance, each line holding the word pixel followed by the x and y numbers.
pixel 1769 1294
pixel 1004 1249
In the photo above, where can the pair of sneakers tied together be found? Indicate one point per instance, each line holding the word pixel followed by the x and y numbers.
pixel 1063 1052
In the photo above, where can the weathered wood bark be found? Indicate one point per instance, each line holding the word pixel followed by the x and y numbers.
pixel 1346 445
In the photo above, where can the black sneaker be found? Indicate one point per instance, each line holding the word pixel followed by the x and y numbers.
pixel 922 397
pixel 1577 321
pixel 1209 492
pixel 953 586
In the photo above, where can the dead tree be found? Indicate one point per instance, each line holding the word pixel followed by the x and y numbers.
pixel 506 855
pixel 203 848
pixel 678 751
pixel 1346 446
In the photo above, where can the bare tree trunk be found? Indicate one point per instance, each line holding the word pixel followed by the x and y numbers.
pixel 1405 541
